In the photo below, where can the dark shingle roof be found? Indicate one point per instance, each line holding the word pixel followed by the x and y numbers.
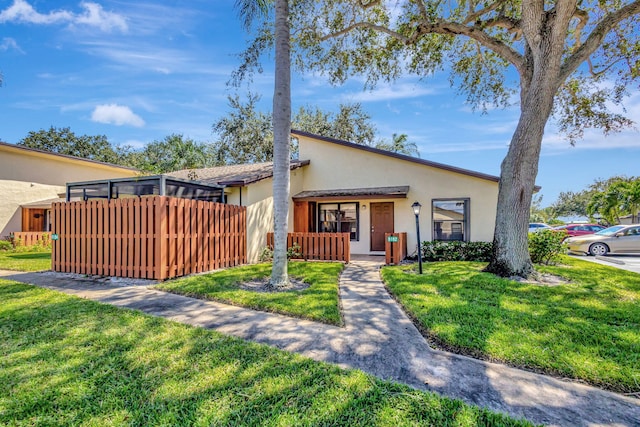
pixel 374 192
pixel 233 175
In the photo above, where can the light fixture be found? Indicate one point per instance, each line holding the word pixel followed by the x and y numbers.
pixel 416 208
pixel 416 211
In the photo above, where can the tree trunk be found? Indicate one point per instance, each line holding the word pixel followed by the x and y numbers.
pixel 517 181
pixel 281 151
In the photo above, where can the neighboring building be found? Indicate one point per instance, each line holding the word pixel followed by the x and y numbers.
pixel 30 180
pixel 630 219
pixel 346 187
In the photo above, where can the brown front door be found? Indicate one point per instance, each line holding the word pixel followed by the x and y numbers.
pixel 381 222
pixel 33 219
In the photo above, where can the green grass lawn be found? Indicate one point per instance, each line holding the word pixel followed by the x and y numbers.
pixel 588 329
pixel 69 361
pixel 25 261
pixel 319 302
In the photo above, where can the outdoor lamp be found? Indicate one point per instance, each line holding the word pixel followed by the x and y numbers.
pixel 416 208
pixel 416 211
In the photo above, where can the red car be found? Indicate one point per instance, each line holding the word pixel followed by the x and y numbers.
pixel 580 229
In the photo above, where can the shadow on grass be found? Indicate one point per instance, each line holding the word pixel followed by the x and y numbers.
pixel 68 361
pixel 588 329
pixel 319 302
pixel 29 255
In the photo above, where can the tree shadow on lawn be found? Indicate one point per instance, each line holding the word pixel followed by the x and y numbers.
pixel 71 361
pixel 28 255
pixel 583 331
pixel 319 302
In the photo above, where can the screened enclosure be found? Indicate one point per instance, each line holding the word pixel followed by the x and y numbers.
pixel 158 185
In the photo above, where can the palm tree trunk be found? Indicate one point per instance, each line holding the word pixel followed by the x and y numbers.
pixel 281 150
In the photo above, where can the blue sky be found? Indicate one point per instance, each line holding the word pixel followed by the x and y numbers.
pixel 138 71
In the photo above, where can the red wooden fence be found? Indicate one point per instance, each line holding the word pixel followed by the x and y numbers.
pixel 395 251
pixel 320 246
pixel 152 237
pixel 30 238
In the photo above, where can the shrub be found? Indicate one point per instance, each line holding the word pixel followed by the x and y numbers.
pixel 294 252
pixel 545 246
pixel 5 245
pixel 456 251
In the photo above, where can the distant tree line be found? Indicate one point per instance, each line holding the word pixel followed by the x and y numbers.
pixel 605 201
pixel 244 135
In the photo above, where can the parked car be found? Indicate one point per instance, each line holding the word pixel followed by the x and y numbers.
pixel 573 230
pixel 537 226
pixel 619 239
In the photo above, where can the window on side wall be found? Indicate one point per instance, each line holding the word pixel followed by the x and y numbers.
pixel 339 218
pixel 450 219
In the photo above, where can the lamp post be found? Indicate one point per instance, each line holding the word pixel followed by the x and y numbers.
pixel 416 211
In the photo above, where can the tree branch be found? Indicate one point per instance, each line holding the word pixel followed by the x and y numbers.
pixel 454 28
pixel 367 4
pixel 583 18
pixel 596 37
pixel 366 25
pixel 423 9
pixel 473 16
pixel 444 28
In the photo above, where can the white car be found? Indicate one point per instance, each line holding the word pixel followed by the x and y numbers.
pixel 619 239
pixel 537 226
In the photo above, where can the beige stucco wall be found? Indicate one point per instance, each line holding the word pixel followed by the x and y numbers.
pixel 335 166
pixel 258 197
pixel 27 176
pixel 41 168
pixel 15 193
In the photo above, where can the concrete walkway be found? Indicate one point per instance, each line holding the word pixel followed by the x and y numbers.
pixel 623 262
pixel 379 339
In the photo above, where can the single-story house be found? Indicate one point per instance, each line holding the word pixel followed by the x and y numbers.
pixel 630 219
pixel 339 186
pixel 30 180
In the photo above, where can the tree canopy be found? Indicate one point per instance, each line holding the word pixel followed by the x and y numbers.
pixel 64 141
pixel 174 152
pixel 605 200
pixel 244 134
pixel 567 59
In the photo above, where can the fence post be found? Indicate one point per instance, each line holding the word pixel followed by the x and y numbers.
pixel 160 238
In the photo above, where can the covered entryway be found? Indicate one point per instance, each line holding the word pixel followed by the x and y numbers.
pixel 365 213
pixel 381 223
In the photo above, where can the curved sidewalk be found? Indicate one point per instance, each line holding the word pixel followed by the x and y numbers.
pixel 380 339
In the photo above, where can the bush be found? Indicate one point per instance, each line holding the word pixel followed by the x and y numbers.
pixel 545 246
pixel 456 251
pixel 5 245
pixel 294 252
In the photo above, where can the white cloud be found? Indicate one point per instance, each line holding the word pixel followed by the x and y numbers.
pixel 388 92
pixel 144 56
pixel 9 43
pixel 94 16
pixel 22 12
pixel 116 115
